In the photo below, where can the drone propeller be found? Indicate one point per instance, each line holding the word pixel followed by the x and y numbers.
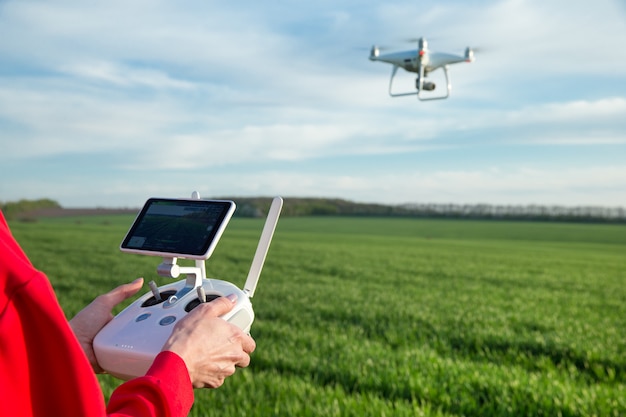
pixel 471 51
pixel 371 48
pixel 383 48
pixel 376 50
pixel 423 38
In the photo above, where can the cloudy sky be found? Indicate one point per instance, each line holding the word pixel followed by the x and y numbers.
pixel 107 103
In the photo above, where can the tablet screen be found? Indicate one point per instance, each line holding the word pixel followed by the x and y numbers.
pixel 178 228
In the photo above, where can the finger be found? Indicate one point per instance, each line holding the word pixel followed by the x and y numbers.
pixel 248 344
pixel 218 382
pixel 244 361
pixel 217 307
pixel 121 293
pixel 125 291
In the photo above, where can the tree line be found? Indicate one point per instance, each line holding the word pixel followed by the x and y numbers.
pixel 258 206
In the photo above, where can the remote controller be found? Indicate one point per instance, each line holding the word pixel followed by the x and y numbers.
pixel 128 344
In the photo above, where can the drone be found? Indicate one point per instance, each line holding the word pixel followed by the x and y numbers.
pixel 421 61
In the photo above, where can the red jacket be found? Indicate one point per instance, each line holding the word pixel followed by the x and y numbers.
pixel 43 370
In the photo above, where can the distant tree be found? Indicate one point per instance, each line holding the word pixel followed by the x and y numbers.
pixel 12 210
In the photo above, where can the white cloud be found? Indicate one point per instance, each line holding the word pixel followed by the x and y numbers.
pixel 585 111
pixel 125 76
pixel 593 186
pixel 598 186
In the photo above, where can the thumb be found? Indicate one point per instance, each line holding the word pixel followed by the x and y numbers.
pixel 218 307
pixel 121 293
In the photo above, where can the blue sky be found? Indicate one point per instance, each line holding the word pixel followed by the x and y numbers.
pixel 109 103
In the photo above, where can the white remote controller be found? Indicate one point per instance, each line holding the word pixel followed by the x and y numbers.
pixel 128 344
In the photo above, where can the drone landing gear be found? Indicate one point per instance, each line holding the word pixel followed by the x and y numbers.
pixel 421 85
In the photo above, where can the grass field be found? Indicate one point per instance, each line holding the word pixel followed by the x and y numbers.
pixel 395 317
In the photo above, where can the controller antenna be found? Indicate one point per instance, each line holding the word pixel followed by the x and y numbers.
pixel 263 247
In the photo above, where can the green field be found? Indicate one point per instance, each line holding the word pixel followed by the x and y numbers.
pixel 395 317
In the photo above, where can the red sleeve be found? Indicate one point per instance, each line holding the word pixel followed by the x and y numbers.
pixel 164 391
pixel 43 370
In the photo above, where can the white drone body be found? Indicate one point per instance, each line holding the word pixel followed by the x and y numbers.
pixel 128 344
pixel 421 61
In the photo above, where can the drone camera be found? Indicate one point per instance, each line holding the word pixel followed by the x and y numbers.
pixel 428 86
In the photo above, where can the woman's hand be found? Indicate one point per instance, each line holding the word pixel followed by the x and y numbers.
pixel 91 319
pixel 209 345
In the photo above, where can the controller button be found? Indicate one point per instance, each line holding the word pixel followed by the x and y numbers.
pixel 167 320
pixel 142 317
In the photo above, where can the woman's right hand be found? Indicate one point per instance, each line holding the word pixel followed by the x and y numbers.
pixel 210 346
